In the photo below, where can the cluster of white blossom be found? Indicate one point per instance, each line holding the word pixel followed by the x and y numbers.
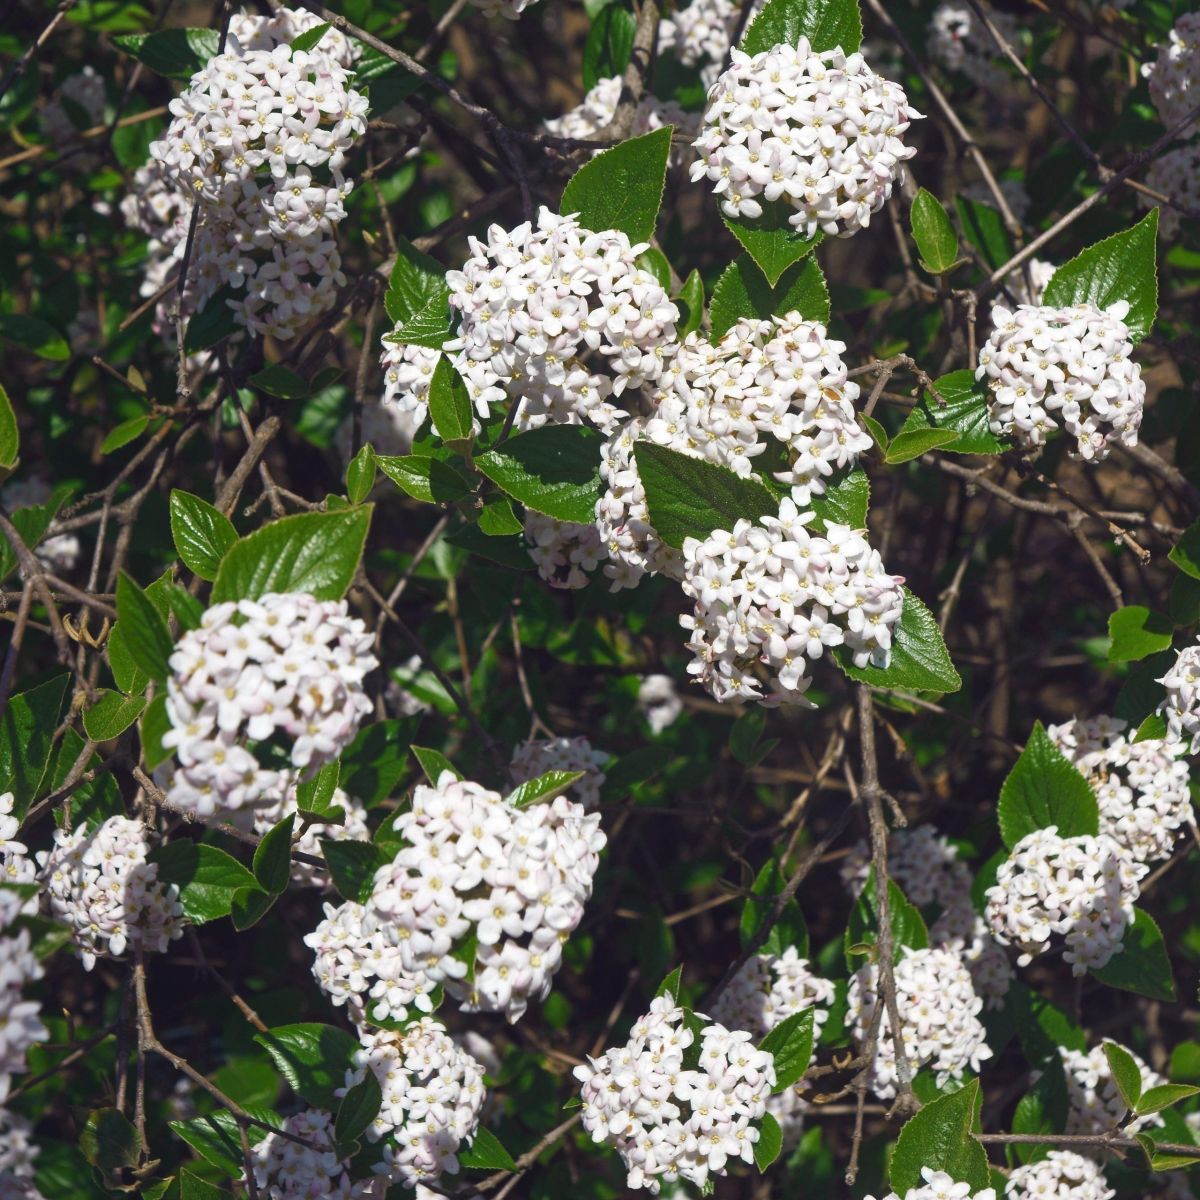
pixel 352 828
pixel 1181 708
pixel 1082 888
pixel 925 865
pixel 599 107
pixel 307 1170
pixel 700 34
pixel 1141 787
pixel 940 1186
pixel 385 428
pixel 1176 175
pixel 285 663
pixel 17 1154
pixel 16 864
pixel 939 1016
pixel 1028 285
pixel 961 42
pixel 1095 1104
pixel 1061 1175
pixel 819 131
pixel 535 757
pixel 60 552
pixel 771 598
pixel 78 104
pixel 668 1121
pixel 284 26
pixel 432 1094
pixel 98 883
pixel 514 878
pixel 659 702
pixel 1075 362
pixel 20 1023
pixel 563 551
pixel 1175 74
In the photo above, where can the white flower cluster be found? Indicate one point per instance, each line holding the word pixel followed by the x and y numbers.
pixel 20 1023
pixel 98 883
pixel 59 552
pixel 668 1121
pixel 1074 362
pixel 17 1153
pixel 821 132
pixel 1181 708
pixel 939 1015
pixel 1061 1175
pixel 79 97
pixel 282 664
pixel 1095 1104
pixel 472 864
pixel 925 866
pixel 960 41
pixel 385 428
pixel 658 701
pixel 287 1170
pixel 1141 787
pixel 563 551
pixel 940 1186
pixel 535 757
pixel 1176 175
pixel 599 107
pixel 1039 274
pixel 284 26
pixel 771 597
pixel 1082 888
pixel 1175 74
pixel 353 828
pixel 700 34
pixel 16 865
pixel 432 1094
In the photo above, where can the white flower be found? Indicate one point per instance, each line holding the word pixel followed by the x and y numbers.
pixel 1181 708
pixel 599 107
pixel 77 105
pixel 1095 1103
pixel 1175 74
pixel 939 1015
pixel 1073 363
pixel 1176 175
pixel 20 1022
pixel 1061 1175
pixel 1082 888
pixel 287 1170
pixel 667 1121
pixel 352 828
pixel 17 1153
pixel 700 34
pixel 97 882
pixel 284 26
pixel 659 702
pixel 564 552
pixel 16 864
pixel 819 131
pixel 535 757
pixel 960 41
pixel 940 1186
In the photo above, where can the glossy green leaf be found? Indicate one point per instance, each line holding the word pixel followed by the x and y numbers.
pixel 906 446
pixel 109 1141
pixel 215 1137
pixel 845 500
pixel 743 291
pixel 360 475
pixel 248 906
pixel 1136 632
pixel 770 241
pixel 933 233
pixel 352 865
pixel 553 470
pixel 1185 554
pixel 1044 789
pixel 433 763
pixel 308 39
pixel 826 24
pixel 965 412
pixel 984 228
pixel 145 633
pixel 201 532
pixel 175 53
pixel 313 1058
pixel 35 335
pixel 621 188
pixel 111 714
pixel 1142 965
pixel 544 788
pixel 939 1137
pixel 1165 1095
pixel 27 727
pixel 427 479
pixel 449 404
pixel 212 324
pixel 770 1142
pixel 1125 1073
pixel 10 434
pixel 691 299
pixel 609 45
pixel 417 284
pixel 790 1043
pixel 206 877
pixel 278 380
pixel 273 856
pixel 486 1153
pixel 359 1107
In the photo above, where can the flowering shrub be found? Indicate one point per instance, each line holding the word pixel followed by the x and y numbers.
pixel 602 596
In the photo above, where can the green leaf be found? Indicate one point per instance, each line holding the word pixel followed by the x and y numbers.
pixel 37 336
pixel 27 728
pixel 965 412
pixel 1044 789
pixel 690 497
pixel 1041 1025
pixel 790 1043
pixel 984 228
pixel 154 726
pixel 544 788
pixel 360 475
pixel 352 865
pixel 427 479
pixel 1137 631
pixel 203 534
pixel 742 291
pixel 511 553
pixel 145 633
pixel 206 877
pixel 212 324
pixel 908 926
pixel 1125 1072
pixel 313 1058
pixel 485 1153
pixel 433 763
pixel 621 188
pixel 1155 1099
pixel 609 45
pixel 826 24
pixel 1122 267
pixel 1186 553
pixel 770 240
pixel 844 500
pixel 497 519
pixel 10 434
pixel 770 1142
pixel 124 433
pixel 933 233
pixel 308 39
pixel 553 470
pixel 906 446
pixel 31 523
pixel 175 53
pixel 111 715
pixel 449 404
pixel 248 906
pixel 281 381
pixel 939 1137
pixel 215 1137
pixel 1163 1162
pixel 671 984
pixel 920 661
pixel 315 795
pixel 359 1107
pixel 789 930
pixel 417 284
pixel 1043 1109
pixel 1152 729
pixel 316 552
pixel 430 327
pixel 691 297
pixel 1142 965
pixel 377 759
pixel 109 1141
pixel 273 856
